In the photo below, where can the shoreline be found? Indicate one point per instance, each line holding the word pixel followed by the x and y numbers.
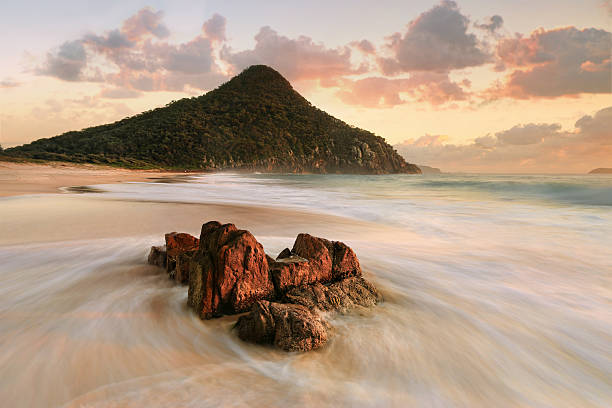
pixel 17 179
pixel 34 194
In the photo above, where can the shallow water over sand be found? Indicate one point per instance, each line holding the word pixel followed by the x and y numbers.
pixel 491 298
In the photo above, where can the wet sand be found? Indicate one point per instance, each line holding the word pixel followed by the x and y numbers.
pixel 33 178
pixel 67 217
pixel 42 204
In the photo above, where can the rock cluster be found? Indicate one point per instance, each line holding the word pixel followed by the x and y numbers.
pixel 228 273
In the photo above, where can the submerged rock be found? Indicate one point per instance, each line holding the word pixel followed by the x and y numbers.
pixel 339 296
pixel 228 273
pixel 287 326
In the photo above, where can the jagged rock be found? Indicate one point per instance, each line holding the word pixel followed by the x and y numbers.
pixel 339 296
pixel 157 256
pixel 332 260
pixel 285 253
pixel 229 272
pixel 180 247
pixel 287 326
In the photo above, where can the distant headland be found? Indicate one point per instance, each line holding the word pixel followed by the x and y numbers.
pixel 429 170
pixel 254 122
pixel 601 170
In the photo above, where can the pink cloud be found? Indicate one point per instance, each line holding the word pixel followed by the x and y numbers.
pixel 140 59
pixel 297 59
pixel 365 47
pixel 145 23
pixel 553 63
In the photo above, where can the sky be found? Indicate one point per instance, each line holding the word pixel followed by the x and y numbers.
pixel 473 85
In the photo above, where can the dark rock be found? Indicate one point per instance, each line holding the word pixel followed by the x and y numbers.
pixel 228 273
pixel 285 253
pixel 339 296
pixel 288 327
pixel 157 256
pixel 183 264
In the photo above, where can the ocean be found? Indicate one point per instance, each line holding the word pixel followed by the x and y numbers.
pixel 498 293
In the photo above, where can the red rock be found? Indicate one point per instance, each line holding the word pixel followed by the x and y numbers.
pixel 331 260
pixel 229 273
pixel 290 272
pixel 179 247
pixel 345 262
pixel 316 251
pixel 287 326
pixel 177 242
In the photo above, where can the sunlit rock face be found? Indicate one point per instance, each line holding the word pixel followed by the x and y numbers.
pixel 229 273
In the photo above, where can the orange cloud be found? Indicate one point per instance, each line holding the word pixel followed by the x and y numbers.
pixel 529 147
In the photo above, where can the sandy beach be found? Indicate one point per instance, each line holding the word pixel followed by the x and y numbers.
pixel 33 178
pixel 75 216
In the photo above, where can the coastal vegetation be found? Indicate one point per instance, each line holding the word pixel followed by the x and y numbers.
pixel 256 121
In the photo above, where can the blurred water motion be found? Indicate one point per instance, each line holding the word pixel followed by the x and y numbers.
pixel 498 294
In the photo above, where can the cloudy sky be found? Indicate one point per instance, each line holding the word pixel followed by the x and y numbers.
pixel 472 85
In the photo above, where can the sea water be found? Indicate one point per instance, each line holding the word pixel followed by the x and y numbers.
pixel 498 293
